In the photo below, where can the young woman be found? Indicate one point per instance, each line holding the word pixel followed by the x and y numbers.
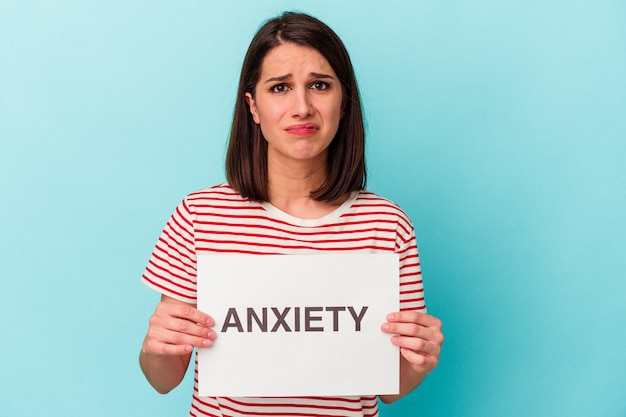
pixel 296 175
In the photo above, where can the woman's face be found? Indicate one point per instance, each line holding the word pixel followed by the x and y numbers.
pixel 297 103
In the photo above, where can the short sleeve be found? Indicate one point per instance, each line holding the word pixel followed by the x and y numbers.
pixel 411 285
pixel 171 269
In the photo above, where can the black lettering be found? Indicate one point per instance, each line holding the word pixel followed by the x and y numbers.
pixel 335 311
pixel 357 319
pixel 280 319
pixel 311 319
pixel 296 319
pixel 262 323
pixel 308 319
pixel 232 314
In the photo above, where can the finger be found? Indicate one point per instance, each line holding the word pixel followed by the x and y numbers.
pixel 417 345
pixel 410 329
pixel 179 331
pixel 162 321
pixel 422 319
pixel 186 312
pixel 170 337
pixel 188 327
pixel 423 363
pixel 156 347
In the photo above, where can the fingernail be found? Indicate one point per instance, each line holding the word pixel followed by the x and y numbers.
pixel 385 326
pixel 206 343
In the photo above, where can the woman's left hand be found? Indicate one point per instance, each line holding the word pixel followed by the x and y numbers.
pixel 418 336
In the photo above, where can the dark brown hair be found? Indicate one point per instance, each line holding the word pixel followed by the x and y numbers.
pixel 246 159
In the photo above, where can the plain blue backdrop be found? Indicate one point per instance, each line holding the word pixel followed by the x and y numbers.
pixel 500 127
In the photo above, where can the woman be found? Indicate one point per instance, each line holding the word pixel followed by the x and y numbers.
pixel 296 175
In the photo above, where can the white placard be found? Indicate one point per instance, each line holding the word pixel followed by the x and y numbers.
pixel 298 325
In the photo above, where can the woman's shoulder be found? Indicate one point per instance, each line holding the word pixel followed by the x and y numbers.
pixel 375 203
pixel 219 194
pixel 371 199
pixel 214 191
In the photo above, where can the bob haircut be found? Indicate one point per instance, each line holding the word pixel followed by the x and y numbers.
pixel 246 158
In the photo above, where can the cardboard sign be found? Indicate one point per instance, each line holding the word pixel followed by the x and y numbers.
pixel 298 325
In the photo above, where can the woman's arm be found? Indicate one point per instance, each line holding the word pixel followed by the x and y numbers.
pixel 419 338
pixel 175 329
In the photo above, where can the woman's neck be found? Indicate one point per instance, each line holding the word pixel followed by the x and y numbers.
pixel 290 190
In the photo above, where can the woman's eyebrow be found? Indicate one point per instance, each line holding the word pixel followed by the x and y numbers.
pixel 318 75
pixel 278 79
pixel 285 77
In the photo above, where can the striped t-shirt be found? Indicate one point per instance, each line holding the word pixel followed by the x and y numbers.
pixel 219 220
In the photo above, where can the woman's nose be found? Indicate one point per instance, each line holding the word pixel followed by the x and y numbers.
pixel 302 106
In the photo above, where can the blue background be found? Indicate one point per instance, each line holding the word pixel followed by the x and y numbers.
pixel 500 127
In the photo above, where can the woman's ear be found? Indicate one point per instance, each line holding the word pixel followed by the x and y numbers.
pixel 253 109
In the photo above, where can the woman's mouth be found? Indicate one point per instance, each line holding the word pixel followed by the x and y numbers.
pixel 302 129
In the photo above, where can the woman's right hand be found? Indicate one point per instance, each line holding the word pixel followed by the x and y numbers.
pixel 176 328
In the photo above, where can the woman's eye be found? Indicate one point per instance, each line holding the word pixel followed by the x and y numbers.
pixel 320 85
pixel 279 88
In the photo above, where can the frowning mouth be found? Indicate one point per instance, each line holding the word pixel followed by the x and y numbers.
pixel 302 129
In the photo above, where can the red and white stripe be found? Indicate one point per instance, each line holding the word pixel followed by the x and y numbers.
pixel 219 220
